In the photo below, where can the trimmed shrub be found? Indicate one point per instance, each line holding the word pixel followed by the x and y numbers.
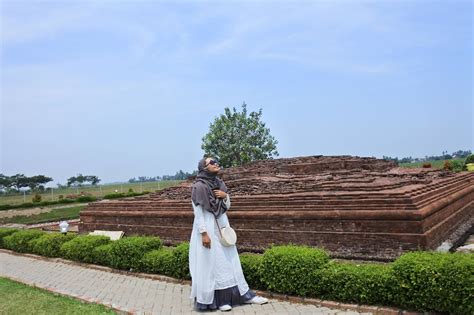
pixel 362 284
pixel 81 247
pixel 181 261
pixel 435 281
pixel 36 198
pixel 160 261
pixel 114 196
pixel 101 254
pixel 66 201
pixel 252 266
pixel 50 244
pixel 5 232
pixel 86 198
pixel 127 252
pixel 20 241
pixel 290 269
pixel 6 206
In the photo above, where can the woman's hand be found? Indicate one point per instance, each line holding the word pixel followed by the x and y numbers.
pixel 220 194
pixel 206 240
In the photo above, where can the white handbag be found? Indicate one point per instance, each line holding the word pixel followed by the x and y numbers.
pixel 228 235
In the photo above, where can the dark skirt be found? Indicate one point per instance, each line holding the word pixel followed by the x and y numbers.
pixel 230 296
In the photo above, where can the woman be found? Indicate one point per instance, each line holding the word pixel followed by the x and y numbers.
pixel 217 277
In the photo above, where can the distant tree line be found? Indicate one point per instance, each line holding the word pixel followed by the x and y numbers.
pixel 180 175
pixel 80 180
pixel 460 154
pixel 19 181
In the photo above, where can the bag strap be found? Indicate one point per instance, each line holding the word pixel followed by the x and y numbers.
pixel 218 227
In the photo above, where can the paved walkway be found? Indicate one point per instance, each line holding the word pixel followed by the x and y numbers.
pixel 125 292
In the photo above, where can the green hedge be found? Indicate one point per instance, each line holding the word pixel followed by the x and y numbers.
pixel 181 258
pixel 5 232
pixel 50 244
pixel 252 267
pixel 422 281
pixel 101 254
pixel 159 261
pixel 86 199
pixel 435 281
pixel 290 269
pixel 355 283
pixel 20 241
pixel 127 252
pixel 81 247
pixel 173 262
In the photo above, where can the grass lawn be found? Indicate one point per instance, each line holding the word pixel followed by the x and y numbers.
pixel 18 298
pixel 434 163
pixel 98 191
pixel 53 215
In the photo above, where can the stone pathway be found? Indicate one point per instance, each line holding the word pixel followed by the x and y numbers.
pixel 125 292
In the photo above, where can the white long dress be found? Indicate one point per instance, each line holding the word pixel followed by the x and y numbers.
pixel 215 268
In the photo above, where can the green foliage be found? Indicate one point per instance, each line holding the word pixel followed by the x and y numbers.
pixel 456 166
pixel 20 241
pixel 290 269
pixel 101 254
pixel 181 260
pixel 86 198
pixel 127 252
pixel 160 261
pixel 236 138
pixel 172 262
pixel 5 232
pixel 469 159
pixel 53 215
pixel 362 284
pixel 36 198
pixel 49 244
pixel 252 268
pixel 435 281
pixel 81 247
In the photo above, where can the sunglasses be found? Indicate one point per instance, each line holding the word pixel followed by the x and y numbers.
pixel 212 162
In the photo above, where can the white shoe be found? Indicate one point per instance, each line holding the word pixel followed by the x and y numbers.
pixel 257 300
pixel 225 308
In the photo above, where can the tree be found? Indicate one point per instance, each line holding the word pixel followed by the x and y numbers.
pixel 80 179
pixel 236 138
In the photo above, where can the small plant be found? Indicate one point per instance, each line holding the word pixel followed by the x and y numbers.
pixel 130 191
pixel 61 197
pixel 448 166
pixel 426 165
pixel 457 166
pixel 36 198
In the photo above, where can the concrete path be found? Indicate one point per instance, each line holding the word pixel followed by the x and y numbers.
pixel 127 293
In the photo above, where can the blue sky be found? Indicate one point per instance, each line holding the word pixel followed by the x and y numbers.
pixel 121 89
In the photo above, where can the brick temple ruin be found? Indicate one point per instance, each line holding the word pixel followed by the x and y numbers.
pixel 354 207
